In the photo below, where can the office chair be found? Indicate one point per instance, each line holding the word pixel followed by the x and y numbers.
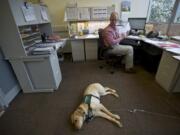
pixel 111 59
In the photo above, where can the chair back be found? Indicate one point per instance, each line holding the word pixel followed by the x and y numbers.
pixel 101 45
pixel 101 40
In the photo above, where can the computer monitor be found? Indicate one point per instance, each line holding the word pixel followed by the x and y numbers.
pixel 137 23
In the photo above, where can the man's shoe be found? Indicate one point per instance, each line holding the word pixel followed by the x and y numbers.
pixel 130 70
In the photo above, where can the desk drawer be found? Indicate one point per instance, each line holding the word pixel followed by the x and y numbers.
pixel 78 50
pixel 91 48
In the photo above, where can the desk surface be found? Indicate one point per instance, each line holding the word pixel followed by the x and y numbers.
pixel 165 45
pixel 176 38
pixel 175 51
pixel 177 57
pixel 88 36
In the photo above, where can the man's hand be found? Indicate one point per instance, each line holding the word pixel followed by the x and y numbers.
pixel 122 36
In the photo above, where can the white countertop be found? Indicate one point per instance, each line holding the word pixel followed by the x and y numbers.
pixel 177 57
pixel 161 44
pixel 88 36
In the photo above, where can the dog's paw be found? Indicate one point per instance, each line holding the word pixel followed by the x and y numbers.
pixel 119 124
pixel 116 95
pixel 116 116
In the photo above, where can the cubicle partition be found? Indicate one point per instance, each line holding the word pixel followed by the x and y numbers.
pixel 9 86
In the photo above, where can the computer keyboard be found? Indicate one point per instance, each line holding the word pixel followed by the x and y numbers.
pixel 158 39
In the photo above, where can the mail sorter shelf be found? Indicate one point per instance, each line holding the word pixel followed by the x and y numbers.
pixel 35 73
pixel 17 33
pixel 25 36
pixel 31 35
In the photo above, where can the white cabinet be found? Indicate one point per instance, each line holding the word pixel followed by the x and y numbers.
pixel 78 50
pixel 38 74
pixel 88 13
pixel 167 70
pixel 17 7
pixel 80 13
pixel 83 13
pixel 84 49
pixel 10 41
pixel 98 13
pixel 91 49
pixel 71 13
pixel 101 13
pixel 177 85
pixel 40 13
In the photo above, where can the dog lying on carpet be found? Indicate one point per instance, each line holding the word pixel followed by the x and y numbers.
pixel 91 106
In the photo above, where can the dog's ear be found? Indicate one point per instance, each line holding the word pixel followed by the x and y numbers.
pixel 72 118
pixel 83 108
pixel 83 112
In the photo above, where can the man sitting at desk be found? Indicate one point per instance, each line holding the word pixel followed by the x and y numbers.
pixel 112 38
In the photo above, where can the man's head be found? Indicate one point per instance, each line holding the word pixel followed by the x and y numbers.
pixel 113 19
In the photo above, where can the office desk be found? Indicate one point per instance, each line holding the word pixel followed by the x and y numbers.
pixel 168 70
pixel 157 43
pixel 167 73
pixel 151 51
pixel 150 56
pixel 159 51
pixel 148 53
pixel 84 47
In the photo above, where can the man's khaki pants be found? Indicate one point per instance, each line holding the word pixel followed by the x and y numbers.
pixel 125 50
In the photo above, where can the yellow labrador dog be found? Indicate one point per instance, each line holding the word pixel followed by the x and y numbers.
pixel 91 106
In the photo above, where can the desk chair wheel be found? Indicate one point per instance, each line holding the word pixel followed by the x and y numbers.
pixel 112 72
pixel 101 67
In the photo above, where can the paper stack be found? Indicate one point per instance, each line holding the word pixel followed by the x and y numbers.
pixel 42 51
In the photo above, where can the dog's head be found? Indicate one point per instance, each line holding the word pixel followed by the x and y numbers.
pixel 78 117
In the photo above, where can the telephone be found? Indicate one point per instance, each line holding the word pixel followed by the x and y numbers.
pixel 152 34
